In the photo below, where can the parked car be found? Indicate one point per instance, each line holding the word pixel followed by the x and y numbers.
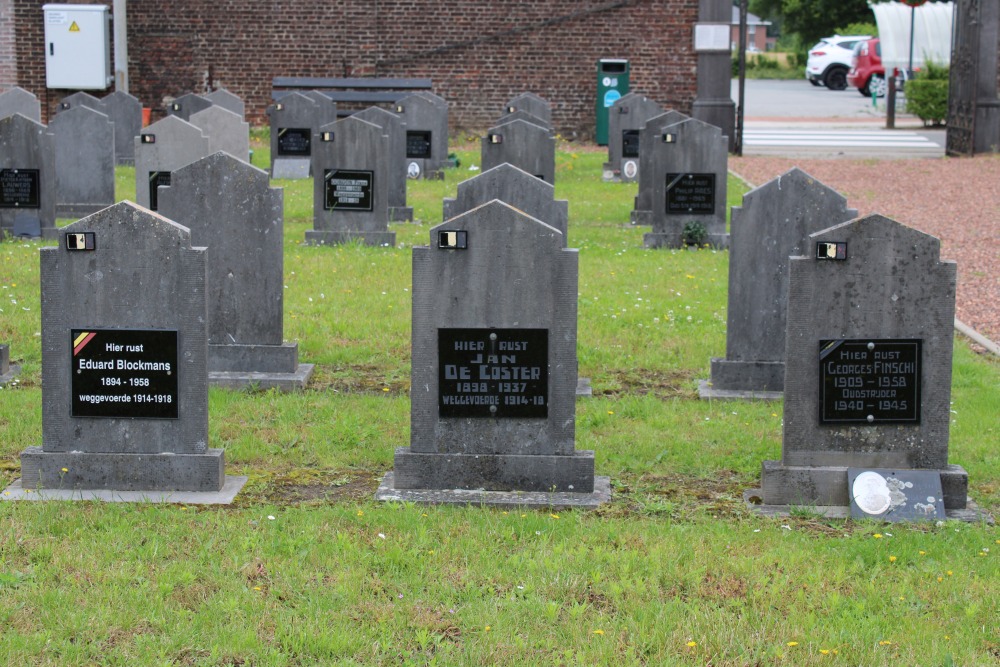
pixel 830 60
pixel 867 73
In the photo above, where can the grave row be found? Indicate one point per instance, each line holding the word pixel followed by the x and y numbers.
pixel 66 170
pixel 866 378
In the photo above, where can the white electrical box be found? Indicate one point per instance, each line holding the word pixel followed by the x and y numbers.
pixel 77 47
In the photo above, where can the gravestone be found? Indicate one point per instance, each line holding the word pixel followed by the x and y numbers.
pixel 124 378
pixel 392 126
pixel 125 112
pixel 493 384
pixel 79 99
pixel 512 186
pixel 225 130
pixel 18 100
pixel 626 118
pixel 533 104
pixel 650 136
pixel 84 141
pixel 227 100
pixel 868 364
pixel 425 119
pixel 326 108
pixel 773 224
pixel 521 114
pixel 294 119
pixel 166 145
pixel 525 145
pixel 7 371
pixel 230 209
pixel 351 184
pixel 689 170
pixel 186 105
pixel 27 178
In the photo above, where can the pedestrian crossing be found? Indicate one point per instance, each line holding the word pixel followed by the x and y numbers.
pixel 870 142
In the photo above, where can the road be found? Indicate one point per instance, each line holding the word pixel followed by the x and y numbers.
pixel 797 118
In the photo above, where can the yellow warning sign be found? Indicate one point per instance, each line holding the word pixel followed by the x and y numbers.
pixel 74 27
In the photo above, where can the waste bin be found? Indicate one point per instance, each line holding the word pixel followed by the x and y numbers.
pixel 612 83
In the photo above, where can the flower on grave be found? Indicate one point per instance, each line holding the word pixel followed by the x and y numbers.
pixel 598 632
pixel 793 644
pixel 892 559
pixel 877 536
pixel 692 644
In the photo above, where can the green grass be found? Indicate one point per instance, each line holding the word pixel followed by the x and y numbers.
pixel 305 568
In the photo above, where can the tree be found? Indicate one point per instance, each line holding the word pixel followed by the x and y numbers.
pixel 813 19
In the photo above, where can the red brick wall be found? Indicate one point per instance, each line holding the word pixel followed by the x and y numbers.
pixel 478 54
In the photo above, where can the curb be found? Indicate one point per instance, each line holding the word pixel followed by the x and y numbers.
pixel 976 337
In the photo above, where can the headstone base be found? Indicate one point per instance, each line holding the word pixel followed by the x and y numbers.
pixel 293 168
pixel 708 391
pixel 641 218
pixel 77 211
pixel 827 485
pixel 400 214
pixel 123 472
pixel 282 358
pixel 224 496
pixel 748 376
pixel 554 500
pixel 294 381
pixel 583 387
pixel 495 472
pixel 314 237
pixel 753 499
pixel 675 240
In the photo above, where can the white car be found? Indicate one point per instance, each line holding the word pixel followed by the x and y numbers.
pixel 830 60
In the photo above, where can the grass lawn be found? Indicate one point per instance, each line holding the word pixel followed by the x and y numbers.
pixel 305 568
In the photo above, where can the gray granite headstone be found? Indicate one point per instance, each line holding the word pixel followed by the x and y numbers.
pixel 225 130
pixel 773 224
pixel 493 384
pixel 7 371
pixel 79 99
pixel 689 167
pixel 230 209
pixel 525 145
pixel 295 119
pixel 425 117
pixel 512 186
pixel 84 141
pixel 186 105
pixel 650 134
pixel 166 145
pixel 868 361
pixel 125 112
pixel 351 184
pixel 227 100
pixel 521 114
pixel 18 100
pixel 533 104
pixel 27 177
pixel 626 118
pixel 393 127
pixel 124 346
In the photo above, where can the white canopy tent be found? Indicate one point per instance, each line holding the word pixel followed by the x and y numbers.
pixel 932 33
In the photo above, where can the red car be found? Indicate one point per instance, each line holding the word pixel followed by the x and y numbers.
pixel 867 73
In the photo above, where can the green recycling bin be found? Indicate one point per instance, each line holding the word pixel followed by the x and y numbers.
pixel 612 83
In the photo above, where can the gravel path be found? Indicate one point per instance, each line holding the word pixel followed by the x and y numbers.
pixel 955 199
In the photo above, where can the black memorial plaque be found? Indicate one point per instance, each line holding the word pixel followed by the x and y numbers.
pixel 691 194
pixel 630 143
pixel 19 188
pixel 295 141
pixel 123 373
pixel 156 179
pixel 500 373
pixel 873 381
pixel 418 144
pixel 348 190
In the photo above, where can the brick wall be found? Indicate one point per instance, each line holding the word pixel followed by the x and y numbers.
pixel 478 54
pixel 8 66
